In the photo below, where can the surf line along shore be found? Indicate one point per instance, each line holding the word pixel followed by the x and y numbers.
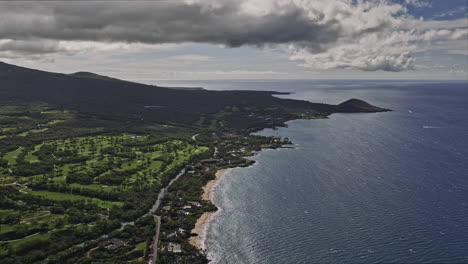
pixel 201 226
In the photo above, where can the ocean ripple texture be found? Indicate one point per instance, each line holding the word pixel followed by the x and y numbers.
pixel 358 188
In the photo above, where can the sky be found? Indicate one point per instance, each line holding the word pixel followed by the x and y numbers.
pixel 240 39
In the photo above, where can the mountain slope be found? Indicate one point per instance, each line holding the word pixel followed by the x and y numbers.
pixel 110 98
pixel 358 106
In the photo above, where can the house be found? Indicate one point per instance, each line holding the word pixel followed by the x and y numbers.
pixel 174 234
pixel 115 243
pixel 225 163
pixel 209 160
pixel 182 212
pixel 173 247
pixel 230 135
pixel 197 204
pixel 238 161
pixel 187 207
pixel 167 208
pixel 181 230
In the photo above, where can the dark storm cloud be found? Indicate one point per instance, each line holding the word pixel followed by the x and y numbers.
pixel 322 33
pixel 161 22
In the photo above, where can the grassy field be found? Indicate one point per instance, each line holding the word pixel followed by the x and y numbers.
pixel 141 246
pixel 35 237
pixel 81 169
pixel 7 129
pixel 33 131
pixel 55 122
pixel 73 197
pixel 11 156
pixel 97 187
pixel 6 228
pixel 30 156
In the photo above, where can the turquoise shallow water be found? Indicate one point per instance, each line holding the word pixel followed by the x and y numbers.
pixel 358 188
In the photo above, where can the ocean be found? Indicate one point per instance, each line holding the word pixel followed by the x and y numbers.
pixel 357 188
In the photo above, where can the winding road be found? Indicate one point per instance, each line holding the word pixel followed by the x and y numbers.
pixel 153 210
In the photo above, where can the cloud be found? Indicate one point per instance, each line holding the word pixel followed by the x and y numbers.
pixel 418 3
pixel 246 72
pixel 190 58
pixel 368 35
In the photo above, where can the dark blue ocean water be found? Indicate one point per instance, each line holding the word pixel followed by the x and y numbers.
pixel 358 188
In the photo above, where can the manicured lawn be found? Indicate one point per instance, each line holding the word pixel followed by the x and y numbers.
pixel 41 237
pixel 7 212
pixel 12 155
pixel 6 228
pixel 55 122
pixel 30 156
pixel 56 112
pixel 31 223
pixel 30 214
pixel 141 246
pixel 32 131
pixel 96 187
pixel 73 197
pixel 6 129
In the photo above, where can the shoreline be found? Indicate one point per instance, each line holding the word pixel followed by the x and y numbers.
pixel 202 224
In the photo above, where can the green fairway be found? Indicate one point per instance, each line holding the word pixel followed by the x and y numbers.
pixel 96 187
pixel 33 131
pixel 73 197
pixel 11 156
pixel 141 246
pixel 30 156
pixel 55 122
pixel 7 212
pixel 7 129
pixel 32 238
pixel 6 228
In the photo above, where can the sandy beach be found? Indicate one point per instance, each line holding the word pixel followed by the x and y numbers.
pixel 202 223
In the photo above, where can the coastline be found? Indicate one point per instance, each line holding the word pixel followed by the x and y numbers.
pixel 202 224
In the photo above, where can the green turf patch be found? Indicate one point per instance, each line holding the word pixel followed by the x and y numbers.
pixel 33 131
pixel 141 246
pixel 73 197
pixel 6 228
pixel 12 155
pixel 55 122
pixel 35 237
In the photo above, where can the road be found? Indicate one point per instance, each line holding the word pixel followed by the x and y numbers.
pixel 158 224
pixel 48 213
pixel 155 241
pixel 156 205
pixel 21 185
pixel 153 209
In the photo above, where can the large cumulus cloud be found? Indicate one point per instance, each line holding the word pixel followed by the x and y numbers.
pixel 368 35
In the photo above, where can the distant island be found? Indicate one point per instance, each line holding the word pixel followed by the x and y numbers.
pixel 95 169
